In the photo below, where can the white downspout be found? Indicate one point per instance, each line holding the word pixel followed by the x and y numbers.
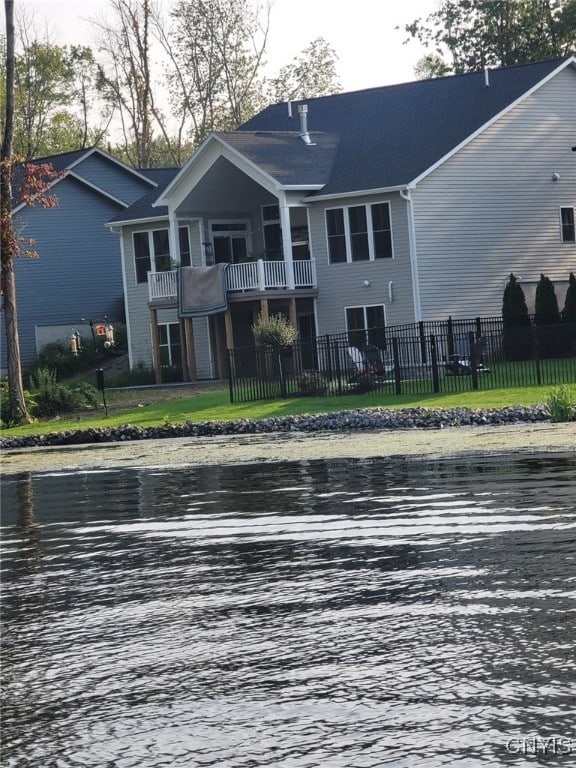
pixel 406 194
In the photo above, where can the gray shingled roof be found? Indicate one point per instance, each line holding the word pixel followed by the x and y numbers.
pixel 284 156
pixel 63 162
pixel 387 136
pixel 143 207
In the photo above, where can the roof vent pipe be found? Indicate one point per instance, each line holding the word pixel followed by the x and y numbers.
pixel 303 112
pixel 486 77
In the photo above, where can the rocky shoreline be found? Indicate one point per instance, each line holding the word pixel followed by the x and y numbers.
pixel 343 421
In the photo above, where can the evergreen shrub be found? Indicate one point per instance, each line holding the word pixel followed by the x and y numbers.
pixel 516 325
pixel 569 317
pixel 547 319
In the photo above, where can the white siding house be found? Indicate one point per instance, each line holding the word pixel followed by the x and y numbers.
pixel 386 206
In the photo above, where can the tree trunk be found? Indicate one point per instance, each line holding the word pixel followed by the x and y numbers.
pixel 18 413
pixel 17 405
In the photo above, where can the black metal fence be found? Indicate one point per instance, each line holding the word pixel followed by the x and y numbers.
pixel 421 358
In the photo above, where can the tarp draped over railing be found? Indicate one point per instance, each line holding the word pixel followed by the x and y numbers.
pixel 202 291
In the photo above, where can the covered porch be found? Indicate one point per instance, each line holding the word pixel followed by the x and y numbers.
pixel 231 329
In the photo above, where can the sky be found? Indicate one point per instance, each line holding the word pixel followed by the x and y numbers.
pixel 362 32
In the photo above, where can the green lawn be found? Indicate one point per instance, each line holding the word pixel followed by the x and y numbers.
pixel 216 406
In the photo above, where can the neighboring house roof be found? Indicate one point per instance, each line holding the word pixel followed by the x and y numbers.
pixel 142 209
pixel 389 136
pixel 65 163
pixel 159 176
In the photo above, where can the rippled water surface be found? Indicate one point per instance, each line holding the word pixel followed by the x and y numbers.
pixel 331 614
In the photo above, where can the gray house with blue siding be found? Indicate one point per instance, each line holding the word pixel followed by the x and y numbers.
pixel 78 274
pixel 357 211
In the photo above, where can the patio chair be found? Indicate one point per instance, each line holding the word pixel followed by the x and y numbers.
pixel 460 363
pixel 357 359
pixel 369 363
pixel 373 359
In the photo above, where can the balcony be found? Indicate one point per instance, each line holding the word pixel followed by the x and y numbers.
pixel 252 276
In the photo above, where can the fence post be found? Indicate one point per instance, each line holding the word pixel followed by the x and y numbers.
pixel 281 372
pixel 478 327
pixel 338 367
pixel 434 356
pixel 397 372
pixel 536 354
pixel 423 354
pixel 473 363
pixel 450 336
pixel 230 369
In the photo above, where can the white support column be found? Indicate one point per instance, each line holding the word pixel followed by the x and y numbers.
pixel 261 275
pixel 173 237
pixel 286 240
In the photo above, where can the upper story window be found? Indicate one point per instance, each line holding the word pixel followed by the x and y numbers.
pixel 184 243
pixel 152 251
pixel 359 233
pixel 230 240
pixel 567 225
pixel 272 232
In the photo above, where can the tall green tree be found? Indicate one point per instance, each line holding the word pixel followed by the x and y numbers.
pixel 492 33
pixel 569 311
pixel 8 244
pixel 55 97
pixel 431 65
pixel 92 114
pixel 546 311
pixel 126 74
pixel 515 321
pixel 33 189
pixel 312 73
pixel 43 79
pixel 547 318
pixel 569 315
pixel 216 50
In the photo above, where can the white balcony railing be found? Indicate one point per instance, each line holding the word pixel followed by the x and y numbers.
pixel 252 276
pixel 162 285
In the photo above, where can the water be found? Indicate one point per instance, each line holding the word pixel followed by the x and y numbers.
pixel 331 614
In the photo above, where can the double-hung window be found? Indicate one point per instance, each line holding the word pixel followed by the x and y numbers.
pixel 272 232
pixel 567 224
pixel 230 240
pixel 152 251
pixel 169 345
pixel 366 325
pixel 359 233
pixel 184 243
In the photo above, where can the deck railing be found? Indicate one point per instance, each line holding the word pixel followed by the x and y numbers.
pixel 251 276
